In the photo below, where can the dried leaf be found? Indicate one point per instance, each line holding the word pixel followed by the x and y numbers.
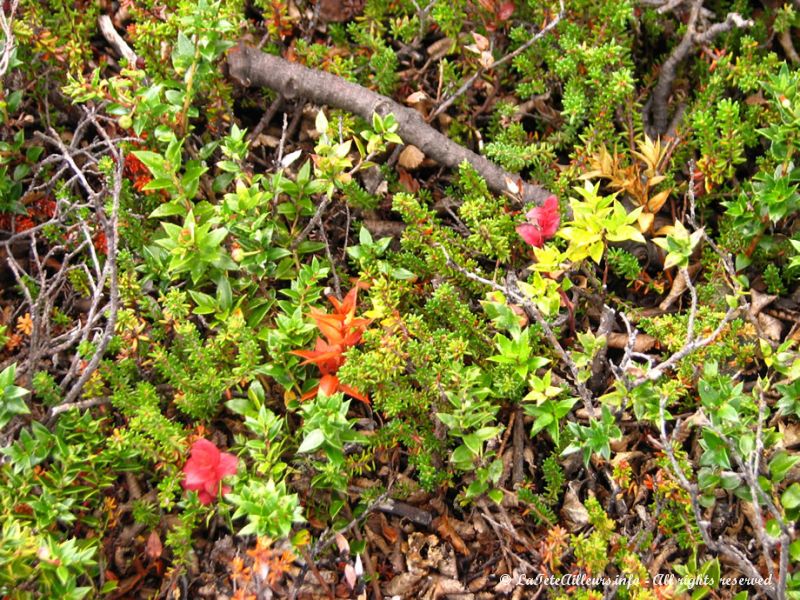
pixel 407 180
pixel 153 548
pixel 656 202
pixel 390 533
pixel 643 343
pixel 505 11
pixel 411 157
pixel 447 531
pixel 574 514
pixel 342 544
pixel 759 301
pixel 403 585
pixel 481 42
pixel 350 575
pixel 678 287
pixel 416 97
pixel 771 326
pixel 645 221
pixel 440 48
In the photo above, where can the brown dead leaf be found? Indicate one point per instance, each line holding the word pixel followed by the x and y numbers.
pixel 440 48
pixel 342 544
pixel 404 585
pixel 482 42
pixel 153 548
pixel 444 587
pixel 574 514
pixel 390 533
pixel 416 97
pixel 790 434
pixel 756 99
pixel 408 181
pixel 759 301
pixel 771 326
pixel 446 530
pixel 350 575
pixel 678 287
pixel 411 157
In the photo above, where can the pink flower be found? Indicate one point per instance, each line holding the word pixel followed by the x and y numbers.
pixel 205 469
pixel 542 223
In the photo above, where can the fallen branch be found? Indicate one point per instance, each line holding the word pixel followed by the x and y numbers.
pixel 252 67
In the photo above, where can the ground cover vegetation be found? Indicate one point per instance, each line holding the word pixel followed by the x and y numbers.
pixel 399 298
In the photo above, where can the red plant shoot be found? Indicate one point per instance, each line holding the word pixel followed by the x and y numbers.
pixel 205 470
pixel 342 330
pixel 543 222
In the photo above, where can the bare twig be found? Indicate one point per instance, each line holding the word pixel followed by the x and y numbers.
pixel 266 118
pixel 6 22
pixel 512 292
pixel 499 62
pixel 724 549
pixel 692 38
pixel 80 405
pixel 313 223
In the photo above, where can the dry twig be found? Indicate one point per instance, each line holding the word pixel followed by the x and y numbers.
pixel 658 105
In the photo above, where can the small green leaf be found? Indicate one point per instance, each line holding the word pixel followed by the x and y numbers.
pixel 312 441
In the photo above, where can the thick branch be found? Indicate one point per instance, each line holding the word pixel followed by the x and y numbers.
pixel 252 67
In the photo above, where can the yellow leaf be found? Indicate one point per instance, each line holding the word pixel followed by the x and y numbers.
pixel 665 230
pixel 646 221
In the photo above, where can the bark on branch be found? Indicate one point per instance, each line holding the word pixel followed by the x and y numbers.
pixel 252 67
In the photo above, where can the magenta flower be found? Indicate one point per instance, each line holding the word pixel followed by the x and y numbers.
pixel 205 469
pixel 542 223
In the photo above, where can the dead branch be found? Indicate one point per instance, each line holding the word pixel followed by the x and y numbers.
pixel 115 40
pixel 722 548
pixel 659 111
pixel 7 13
pixel 251 67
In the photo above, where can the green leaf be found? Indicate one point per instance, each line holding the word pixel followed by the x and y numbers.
pixel 312 441
pixel 462 456
pixel 495 495
pixel 154 162
pixel 781 464
pixel 791 497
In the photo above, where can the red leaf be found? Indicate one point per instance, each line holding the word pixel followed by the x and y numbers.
pixel 543 222
pixel 505 11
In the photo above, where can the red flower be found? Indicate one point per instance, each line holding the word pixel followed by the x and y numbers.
pixel 542 223
pixel 205 469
